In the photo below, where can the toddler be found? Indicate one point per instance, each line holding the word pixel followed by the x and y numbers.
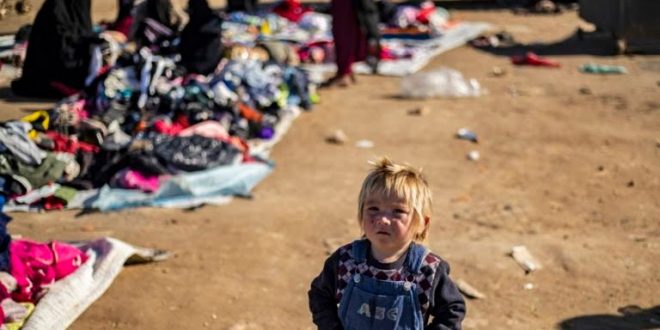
pixel 387 279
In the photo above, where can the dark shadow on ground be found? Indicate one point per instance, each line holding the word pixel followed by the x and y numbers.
pixel 578 43
pixel 631 318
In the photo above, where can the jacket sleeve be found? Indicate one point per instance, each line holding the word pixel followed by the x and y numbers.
pixel 448 306
pixel 322 302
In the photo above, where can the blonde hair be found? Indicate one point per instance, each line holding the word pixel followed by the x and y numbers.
pixel 387 178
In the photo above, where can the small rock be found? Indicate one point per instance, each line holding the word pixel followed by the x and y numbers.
pixel 630 183
pixel 206 324
pixel 585 91
pixel 497 71
pixel 337 137
pixel 468 290
pixel 214 316
pixel 174 221
pixel 364 144
pixel 419 111
pixel 601 168
pixel 528 286
pixel 473 155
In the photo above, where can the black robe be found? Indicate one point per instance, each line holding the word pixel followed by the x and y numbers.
pixel 201 39
pixel 58 49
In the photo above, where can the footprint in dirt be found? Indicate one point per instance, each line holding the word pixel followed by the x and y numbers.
pixel 618 102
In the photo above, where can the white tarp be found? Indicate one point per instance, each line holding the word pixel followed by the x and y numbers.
pixel 69 297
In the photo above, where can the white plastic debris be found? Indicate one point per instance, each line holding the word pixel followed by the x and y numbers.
pixel 443 82
pixel 473 155
pixel 524 258
pixel 364 144
pixel 337 137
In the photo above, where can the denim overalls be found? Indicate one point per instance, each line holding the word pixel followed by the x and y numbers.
pixel 369 303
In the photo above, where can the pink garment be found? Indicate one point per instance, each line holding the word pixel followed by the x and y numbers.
pixel 209 128
pixel 131 179
pixel 214 130
pixel 35 266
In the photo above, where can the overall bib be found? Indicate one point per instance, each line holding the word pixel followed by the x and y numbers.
pixel 370 303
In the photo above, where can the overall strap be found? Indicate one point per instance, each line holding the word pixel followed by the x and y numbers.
pixel 415 257
pixel 359 250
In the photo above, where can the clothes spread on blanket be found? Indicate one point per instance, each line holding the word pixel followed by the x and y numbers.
pixel 171 98
pixel 27 270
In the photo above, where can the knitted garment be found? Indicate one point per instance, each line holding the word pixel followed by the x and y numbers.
pixel 424 279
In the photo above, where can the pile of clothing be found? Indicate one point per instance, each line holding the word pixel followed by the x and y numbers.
pixel 144 116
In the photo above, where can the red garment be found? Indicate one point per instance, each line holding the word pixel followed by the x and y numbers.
pixel 35 266
pixel 69 145
pixel 350 42
pixel 54 203
pixel 123 25
pixel 163 127
pixel 291 10
pixel 533 59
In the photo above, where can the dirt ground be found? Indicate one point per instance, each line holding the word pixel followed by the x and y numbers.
pixel 569 174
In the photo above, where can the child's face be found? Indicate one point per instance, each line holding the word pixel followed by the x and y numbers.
pixel 387 222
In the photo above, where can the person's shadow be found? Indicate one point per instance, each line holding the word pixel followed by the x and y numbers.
pixel 595 43
pixel 632 317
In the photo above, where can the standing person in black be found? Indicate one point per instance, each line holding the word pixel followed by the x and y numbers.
pixel 58 53
pixel 201 40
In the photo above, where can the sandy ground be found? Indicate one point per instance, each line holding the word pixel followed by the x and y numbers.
pixel 567 174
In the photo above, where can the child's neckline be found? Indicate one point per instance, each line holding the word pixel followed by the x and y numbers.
pixel 387 265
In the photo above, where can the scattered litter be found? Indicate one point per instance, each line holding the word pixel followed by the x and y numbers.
pixel 468 290
pixel 365 144
pixel 443 82
pixel 524 258
pixel 501 39
pixel 419 111
pixel 585 91
pixel 630 310
pixel 466 134
pixel 528 286
pixel 602 69
pixel 497 71
pixel 546 7
pixel 473 155
pixel 337 137
pixel 534 60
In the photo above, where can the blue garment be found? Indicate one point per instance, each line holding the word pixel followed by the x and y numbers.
pixel 370 303
pixel 5 238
